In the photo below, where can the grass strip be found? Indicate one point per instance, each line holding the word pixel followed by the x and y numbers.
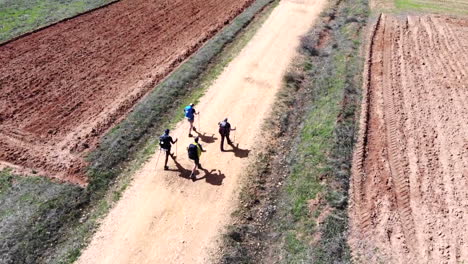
pixel 18 17
pixel 443 7
pixel 32 212
pixel 313 216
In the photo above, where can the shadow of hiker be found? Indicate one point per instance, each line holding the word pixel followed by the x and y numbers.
pixel 183 172
pixel 205 138
pixel 212 177
pixel 238 152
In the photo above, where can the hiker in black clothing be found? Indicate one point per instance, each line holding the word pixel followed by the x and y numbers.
pixel 194 152
pixel 224 130
pixel 165 142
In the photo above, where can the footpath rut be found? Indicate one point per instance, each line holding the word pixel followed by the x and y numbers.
pixel 166 218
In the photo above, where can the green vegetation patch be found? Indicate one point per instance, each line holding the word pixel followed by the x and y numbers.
pixel 312 213
pixel 33 213
pixel 448 6
pixel 21 16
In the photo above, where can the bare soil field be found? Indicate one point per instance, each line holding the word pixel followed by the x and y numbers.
pixel 409 189
pixel 64 86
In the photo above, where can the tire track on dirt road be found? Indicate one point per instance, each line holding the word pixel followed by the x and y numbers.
pixel 166 218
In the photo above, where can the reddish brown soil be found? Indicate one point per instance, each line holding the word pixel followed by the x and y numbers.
pixel 409 192
pixel 64 86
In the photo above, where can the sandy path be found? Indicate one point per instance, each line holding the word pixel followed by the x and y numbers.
pixel 410 187
pixel 164 217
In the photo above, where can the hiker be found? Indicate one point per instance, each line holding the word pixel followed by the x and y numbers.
pixel 224 130
pixel 165 142
pixel 190 115
pixel 194 153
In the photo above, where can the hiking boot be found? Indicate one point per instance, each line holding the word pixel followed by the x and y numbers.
pixel 190 135
pixel 166 167
pixel 192 176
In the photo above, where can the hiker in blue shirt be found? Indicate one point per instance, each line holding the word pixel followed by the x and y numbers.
pixel 190 115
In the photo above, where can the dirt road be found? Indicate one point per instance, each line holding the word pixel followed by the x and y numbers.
pixel 64 86
pixel 409 190
pixel 166 218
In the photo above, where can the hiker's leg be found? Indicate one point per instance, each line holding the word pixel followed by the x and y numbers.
pixel 167 157
pixel 222 142
pixel 228 139
pixel 191 126
pixel 192 175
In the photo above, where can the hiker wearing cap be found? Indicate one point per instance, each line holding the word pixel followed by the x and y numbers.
pixel 194 152
pixel 224 130
pixel 165 142
pixel 190 115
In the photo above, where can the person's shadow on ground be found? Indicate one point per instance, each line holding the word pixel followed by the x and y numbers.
pixel 183 172
pixel 205 138
pixel 212 177
pixel 238 152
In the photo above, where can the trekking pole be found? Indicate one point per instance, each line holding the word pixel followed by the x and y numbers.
pixel 199 117
pixel 157 160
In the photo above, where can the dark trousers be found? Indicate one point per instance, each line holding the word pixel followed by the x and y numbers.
pixel 222 140
pixel 168 153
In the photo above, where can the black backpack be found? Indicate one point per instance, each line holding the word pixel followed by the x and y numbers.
pixel 224 128
pixel 164 142
pixel 193 151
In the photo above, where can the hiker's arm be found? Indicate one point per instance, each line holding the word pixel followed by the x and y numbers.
pixel 201 148
pixel 174 141
pixel 232 129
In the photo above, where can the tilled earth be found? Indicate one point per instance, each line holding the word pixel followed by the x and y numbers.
pixel 64 86
pixel 409 192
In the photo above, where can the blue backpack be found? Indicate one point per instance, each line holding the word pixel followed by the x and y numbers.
pixel 189 111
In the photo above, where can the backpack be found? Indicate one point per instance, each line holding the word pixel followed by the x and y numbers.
pixel 164 142
pixel 193 151
pixel 224 128
pixel 189 112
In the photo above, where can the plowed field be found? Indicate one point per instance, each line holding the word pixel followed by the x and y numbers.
pixel 64 86
pixel 409 192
